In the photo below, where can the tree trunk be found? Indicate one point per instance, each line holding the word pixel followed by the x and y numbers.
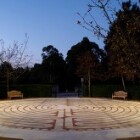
pixel 7 80
pixel 89 89
pixel 50 73
pixel 124 88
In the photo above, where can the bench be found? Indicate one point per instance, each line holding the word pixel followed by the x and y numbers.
pixel 14 94
pixel 119 94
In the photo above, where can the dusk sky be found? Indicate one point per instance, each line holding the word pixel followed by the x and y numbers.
pixel 47 22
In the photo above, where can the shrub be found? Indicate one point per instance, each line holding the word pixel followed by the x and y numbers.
pixel 107 90
pixel 29 90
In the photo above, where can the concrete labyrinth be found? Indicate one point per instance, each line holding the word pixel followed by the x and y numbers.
pixel 69 114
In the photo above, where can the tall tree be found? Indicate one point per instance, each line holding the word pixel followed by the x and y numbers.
pixel 87 68
pixel 108 10
pixel 77 51
pixel 53 65
pixel 12 58
pixel 123 42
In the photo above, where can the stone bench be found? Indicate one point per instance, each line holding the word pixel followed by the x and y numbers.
pixel 15 94
pixel 119 94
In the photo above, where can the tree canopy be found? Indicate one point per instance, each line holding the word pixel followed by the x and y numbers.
pixel 53 66
pixel 76 59
pixel 123 41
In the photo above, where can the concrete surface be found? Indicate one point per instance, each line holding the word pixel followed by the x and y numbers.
pixel 69 119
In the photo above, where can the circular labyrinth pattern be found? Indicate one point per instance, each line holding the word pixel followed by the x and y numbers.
pixel 69 114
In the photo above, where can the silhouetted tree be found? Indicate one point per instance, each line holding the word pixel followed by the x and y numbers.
pixel 107 9
pixel 13 58
pixel 37 74
pixel 7 72
pixel 74 53
pixel 26 77
pixel 54 65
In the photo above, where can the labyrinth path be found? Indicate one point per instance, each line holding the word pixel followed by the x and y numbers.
pixel 69 114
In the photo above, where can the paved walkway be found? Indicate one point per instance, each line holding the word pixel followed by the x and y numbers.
pixel 69 119
pixel 67 94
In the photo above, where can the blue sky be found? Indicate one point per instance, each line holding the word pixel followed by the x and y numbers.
pixel 47 22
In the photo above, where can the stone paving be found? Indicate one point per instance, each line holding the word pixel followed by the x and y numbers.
pixel 63 114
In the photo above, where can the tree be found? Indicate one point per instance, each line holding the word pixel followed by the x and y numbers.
pixel 123 41
pixel 87 67
pixel 109 17
pixel 53 65
pixel 107 10
pixel 12 58
pixel 7 71
pixel 74 57
pixel 37 75
pixel 25 78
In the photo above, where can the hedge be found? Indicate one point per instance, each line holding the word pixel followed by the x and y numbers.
pixel 28 90
pixel 96 91
pixel 107 90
